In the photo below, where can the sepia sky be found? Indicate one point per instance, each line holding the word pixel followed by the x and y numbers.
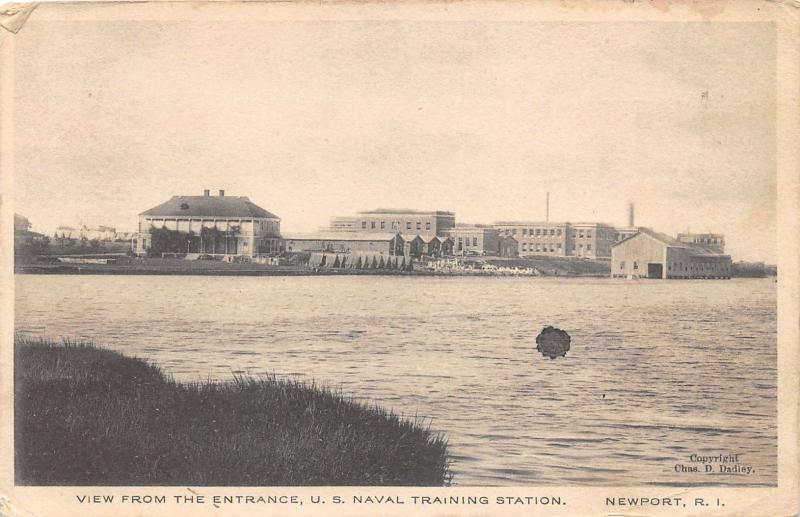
pixel 315 119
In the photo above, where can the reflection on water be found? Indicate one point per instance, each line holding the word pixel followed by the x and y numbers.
pixel 657 371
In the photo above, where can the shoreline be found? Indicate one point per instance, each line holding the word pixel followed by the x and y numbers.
pixel 87 415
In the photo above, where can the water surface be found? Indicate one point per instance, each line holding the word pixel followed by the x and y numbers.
pixel 658 370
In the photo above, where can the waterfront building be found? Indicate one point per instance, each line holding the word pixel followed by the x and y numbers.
pixel 247 228
pixel 649 254
pixel 474 239
pixel 407 222
pixel 714 241
pixel 537 238
pixel 591 240
pixel 347 242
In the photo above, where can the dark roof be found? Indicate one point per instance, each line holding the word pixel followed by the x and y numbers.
pixel 209 206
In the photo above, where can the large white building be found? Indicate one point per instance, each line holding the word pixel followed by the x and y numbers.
pixel 243 227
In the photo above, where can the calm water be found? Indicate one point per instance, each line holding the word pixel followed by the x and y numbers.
pixel 657 371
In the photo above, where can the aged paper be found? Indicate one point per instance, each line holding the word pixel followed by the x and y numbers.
pixel 399 201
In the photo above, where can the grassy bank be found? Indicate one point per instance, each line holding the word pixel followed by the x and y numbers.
pixel 90 416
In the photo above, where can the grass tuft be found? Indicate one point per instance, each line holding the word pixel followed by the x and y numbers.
pixel 86 415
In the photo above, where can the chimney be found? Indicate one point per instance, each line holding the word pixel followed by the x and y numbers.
pixel 547 210
pixel 206 192
pixel 221 193
pixel 630 215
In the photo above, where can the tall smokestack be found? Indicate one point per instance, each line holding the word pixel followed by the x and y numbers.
pixel 630 215
pixel 547 209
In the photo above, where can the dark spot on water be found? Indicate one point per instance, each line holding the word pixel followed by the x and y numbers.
pixel 553 342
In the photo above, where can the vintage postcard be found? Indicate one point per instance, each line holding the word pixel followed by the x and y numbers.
pixel 399 258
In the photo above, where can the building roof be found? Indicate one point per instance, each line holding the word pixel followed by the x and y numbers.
pixel 593 225
pixel 209 206
pixel 529 223
pixel 384 211
pixel 340 236
pixel 665 239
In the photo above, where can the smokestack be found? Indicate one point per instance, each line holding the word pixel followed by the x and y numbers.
pixel 206 192
pixel 547 210
pixel 221 193
pixel 630 215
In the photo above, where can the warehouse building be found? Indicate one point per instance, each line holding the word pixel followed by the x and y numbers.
pixel 347 242
pixel 649 254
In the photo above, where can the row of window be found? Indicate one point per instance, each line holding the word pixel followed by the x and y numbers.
pixel 538 231
pixel 580 234
pixel 465 240
pixel 541 248
pixel 395 225
pixel 680 266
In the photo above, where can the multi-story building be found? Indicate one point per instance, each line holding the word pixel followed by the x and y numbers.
pixel 247 229
pixel 537 238
pixel 474 239
pixel 591 240
pixel 650 254
pixel 407 222
pixel 714 241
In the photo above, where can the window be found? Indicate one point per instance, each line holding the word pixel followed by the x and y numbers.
pixel 524 232
pixel 428 226
pixel 580 235
pixel 558 246
pixel 474 241
pixel 408 225
pixel 622 264
pixel 588 247
pixel 394 225
pixel 537 247
pixel 372 224
pixel 524 246
pixel 538 231
pixel 363 224
pixel 588 234
pixel 419 225
pixel 513 231
pixel 558 232
pixel 635 264
pixel 383 225
pixel 552 231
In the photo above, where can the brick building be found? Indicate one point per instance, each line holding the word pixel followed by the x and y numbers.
pixel 474 239
pixel 408 222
